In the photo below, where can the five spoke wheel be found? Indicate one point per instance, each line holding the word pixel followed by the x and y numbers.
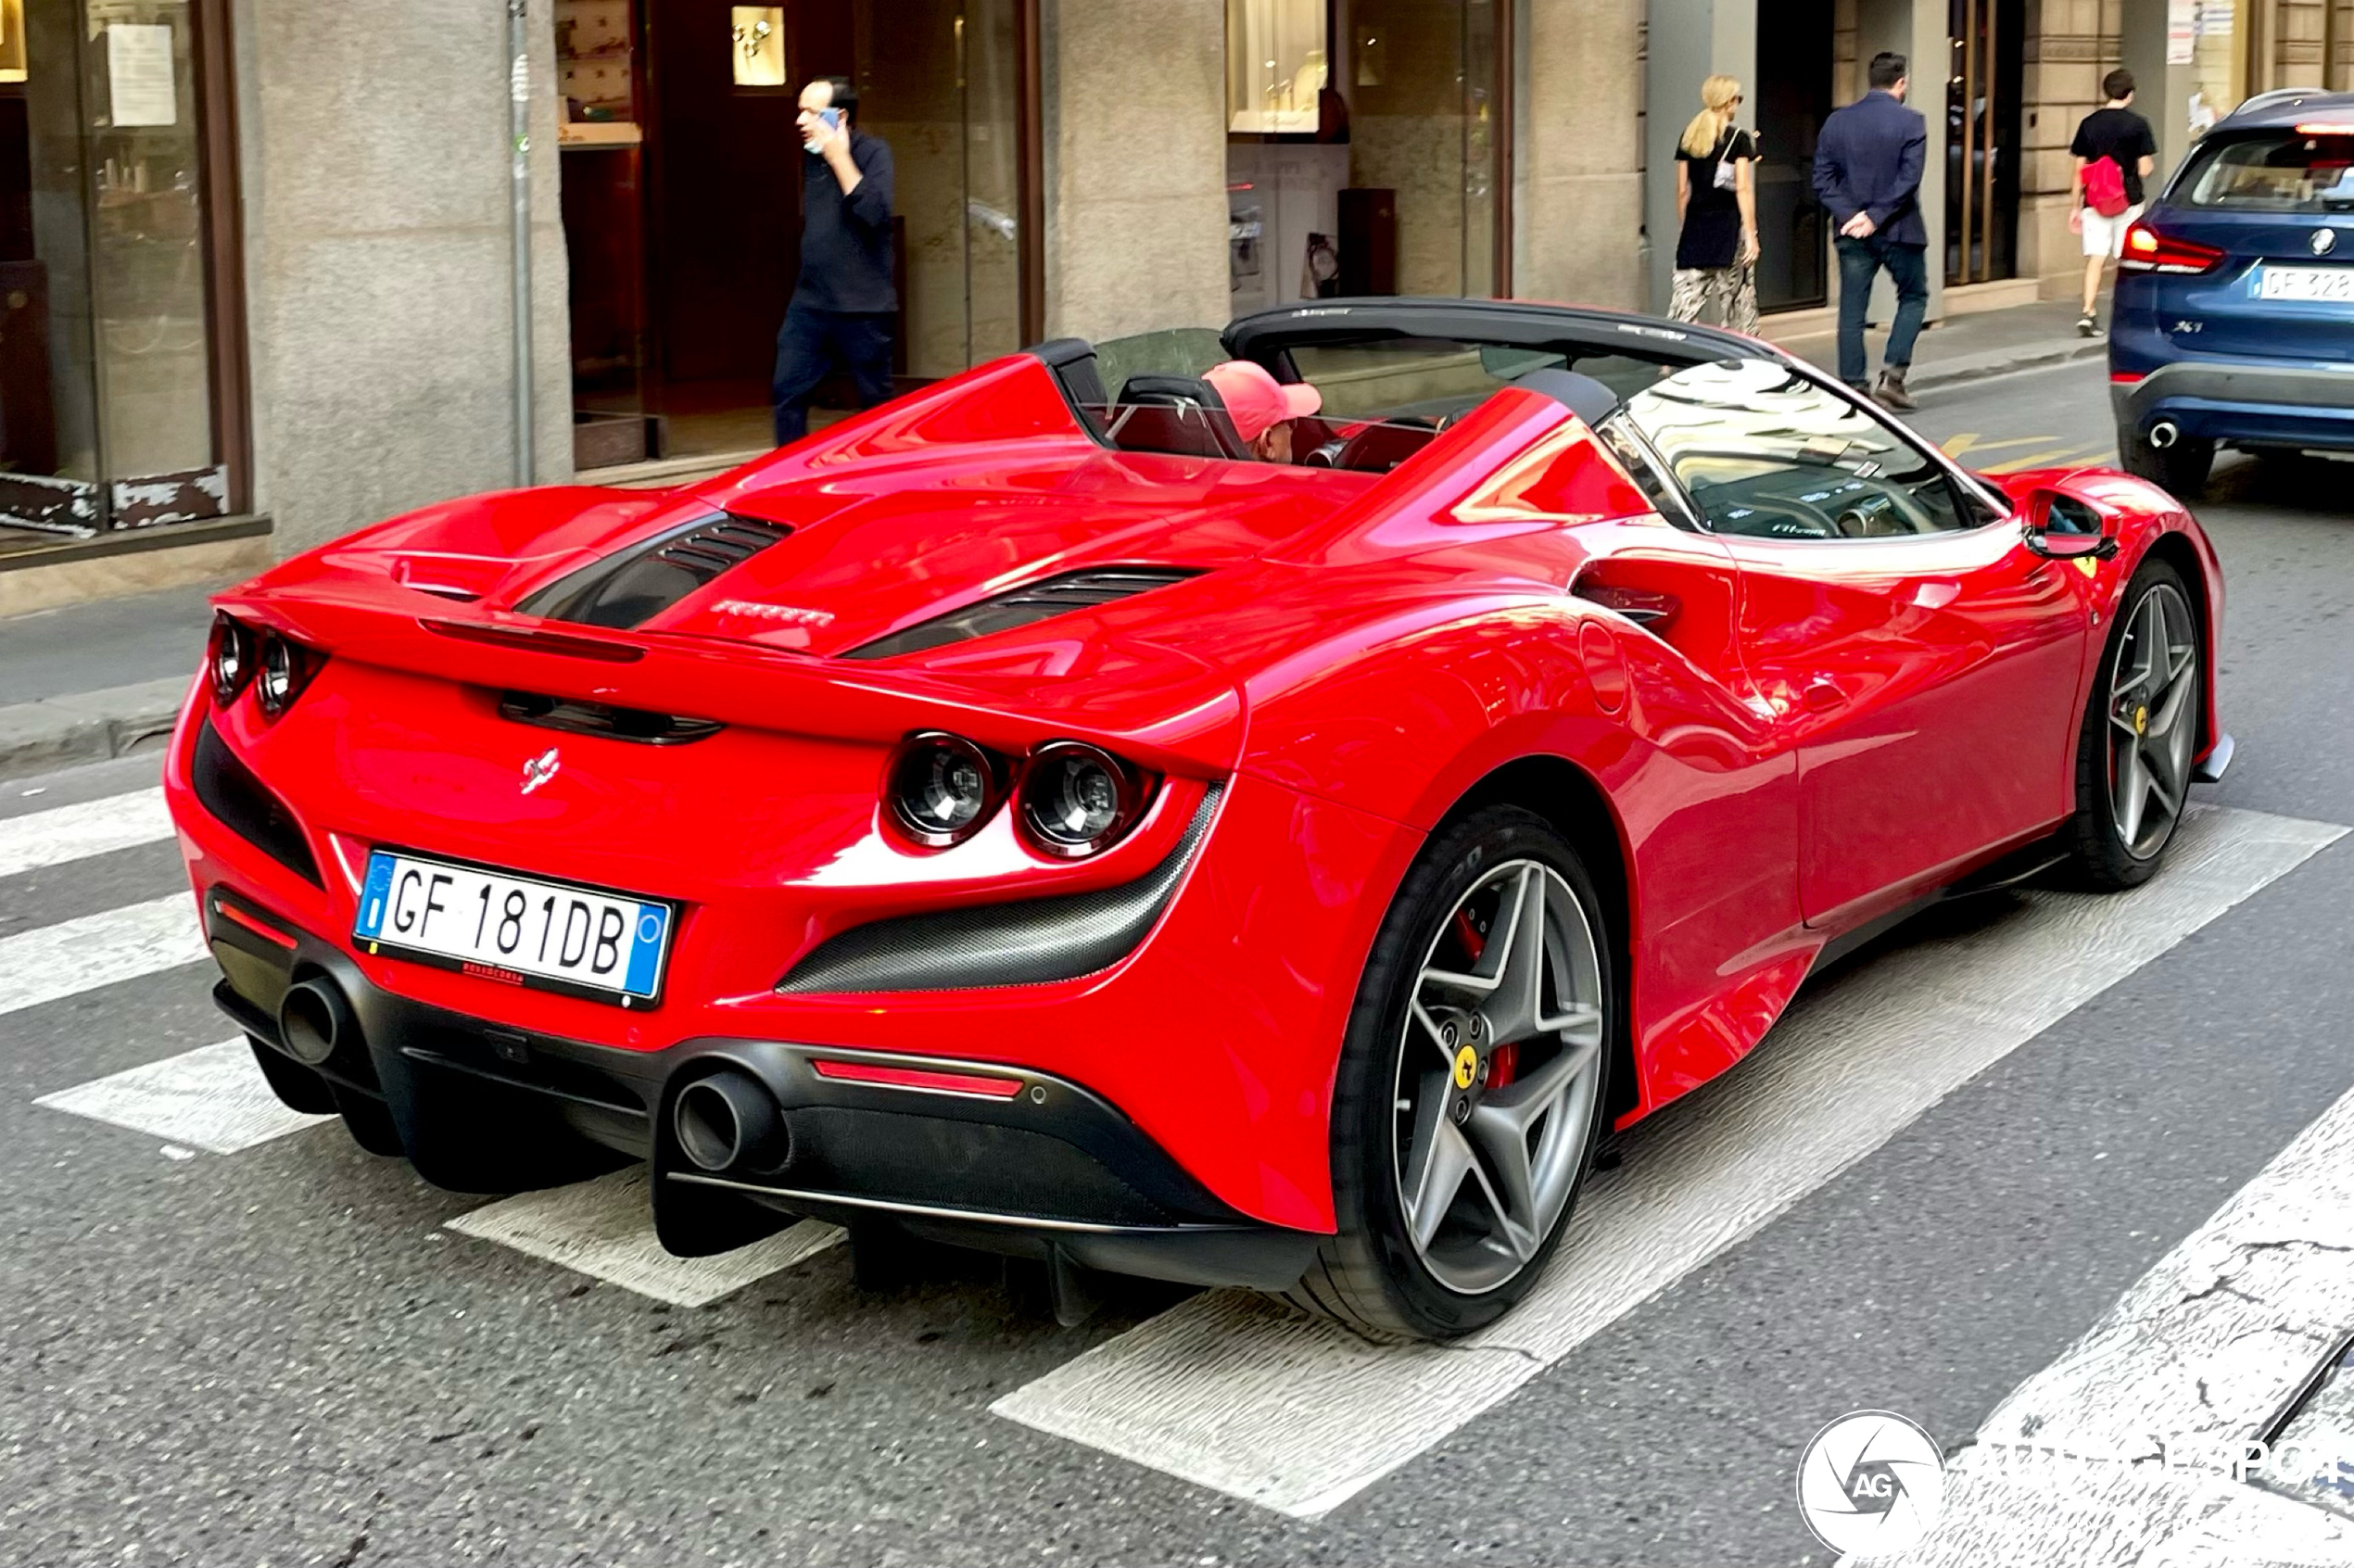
pixel 2153 720
pixel 1498 1075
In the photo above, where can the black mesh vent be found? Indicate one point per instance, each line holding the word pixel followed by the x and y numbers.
pixel 1051 595
pixel 630 588
pixel 601 718
pixel 1031 942
pixel 245 805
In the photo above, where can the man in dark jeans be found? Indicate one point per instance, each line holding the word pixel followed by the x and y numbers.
pixel 844 304
pixel 1868 171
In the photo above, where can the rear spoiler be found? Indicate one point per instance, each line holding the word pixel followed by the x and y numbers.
pixel 1161 709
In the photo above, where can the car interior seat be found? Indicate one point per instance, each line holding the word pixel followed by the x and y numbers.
pixel 1174 413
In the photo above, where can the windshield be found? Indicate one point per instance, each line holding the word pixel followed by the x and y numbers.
pixel 2274 172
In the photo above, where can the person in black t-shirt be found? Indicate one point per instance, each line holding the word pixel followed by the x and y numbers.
pixel 2113 132
pixel 1717 204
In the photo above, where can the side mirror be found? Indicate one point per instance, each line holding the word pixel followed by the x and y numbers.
pixel 2062 527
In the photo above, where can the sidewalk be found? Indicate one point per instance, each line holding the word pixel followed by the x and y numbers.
pixel 91 681
pixel 1970 347
pixel 96 680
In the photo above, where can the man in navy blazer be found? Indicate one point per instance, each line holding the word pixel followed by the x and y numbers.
pixel 1868 171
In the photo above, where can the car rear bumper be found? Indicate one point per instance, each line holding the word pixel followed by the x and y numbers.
pixel 2251 404
pixel 1043 1165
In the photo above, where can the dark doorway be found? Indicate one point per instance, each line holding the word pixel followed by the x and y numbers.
pixel 1793 98
pixel 683 191
pixel 1983 139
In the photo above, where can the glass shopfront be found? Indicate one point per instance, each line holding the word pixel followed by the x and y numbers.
pixel 1367 148
pixel 682 179
pixel 121 389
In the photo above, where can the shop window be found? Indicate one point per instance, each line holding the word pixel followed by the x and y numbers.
pixel 115 408
pixel 11 40
pixel 1275 64
pixel 759 46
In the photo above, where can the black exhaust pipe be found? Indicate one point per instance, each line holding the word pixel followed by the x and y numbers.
pixel 315 1020
pixel 731 1123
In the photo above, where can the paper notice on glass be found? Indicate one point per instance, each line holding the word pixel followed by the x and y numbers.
pixel 2182 31
pixel 142 87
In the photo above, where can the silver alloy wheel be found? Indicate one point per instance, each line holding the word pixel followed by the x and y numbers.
pixel 2153 720
pixel 1497 1076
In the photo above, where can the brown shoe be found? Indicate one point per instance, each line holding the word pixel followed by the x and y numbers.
pixel 1891 393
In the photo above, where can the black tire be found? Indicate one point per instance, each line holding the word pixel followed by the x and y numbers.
pixel 2181 468
pixel 2099 858
pixel 297 1088
pixel 1371 1275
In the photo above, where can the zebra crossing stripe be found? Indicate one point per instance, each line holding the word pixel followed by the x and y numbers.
pixel 73 956
pixel 1232 1392
pixel 212 1099
pixel 75 832
pixel 604 1228
pixel 2120 1452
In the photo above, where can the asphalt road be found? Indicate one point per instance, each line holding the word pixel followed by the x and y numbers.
pixel 281 1355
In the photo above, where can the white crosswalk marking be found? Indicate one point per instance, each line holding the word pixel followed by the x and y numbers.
pixel 82 954
pixel 1233 1393
pixel 2192 1362
pixel 213 1098
pixel 605 1228
pixel 76 832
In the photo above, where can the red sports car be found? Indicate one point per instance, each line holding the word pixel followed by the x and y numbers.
pixel 1246 808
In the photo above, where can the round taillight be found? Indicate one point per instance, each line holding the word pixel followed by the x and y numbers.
pixel 1077 799
pixel 275 682
pixel 941 789
pixel 229 659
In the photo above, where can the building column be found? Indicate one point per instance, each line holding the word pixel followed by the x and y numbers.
pixel 378 267
pixel 1689 41
pixel 1578 214
pixel 1135 166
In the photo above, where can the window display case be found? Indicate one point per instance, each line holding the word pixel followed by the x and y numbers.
pixel 121 392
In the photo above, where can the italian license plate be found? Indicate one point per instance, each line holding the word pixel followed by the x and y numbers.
pixel 551 935
pixel 2334 284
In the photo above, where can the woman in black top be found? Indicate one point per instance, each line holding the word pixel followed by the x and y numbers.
pixel 1716 205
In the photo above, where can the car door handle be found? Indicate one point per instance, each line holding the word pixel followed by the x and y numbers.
pixel 1823 694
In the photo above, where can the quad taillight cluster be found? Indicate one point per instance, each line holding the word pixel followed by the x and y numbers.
pixel 2153 250
pixel 1072 800
pixel 274 665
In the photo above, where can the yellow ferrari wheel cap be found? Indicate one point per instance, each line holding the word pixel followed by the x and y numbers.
pixel 1466 1067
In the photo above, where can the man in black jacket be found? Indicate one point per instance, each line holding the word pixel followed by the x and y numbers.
pixel 844 304
pixel 1868 171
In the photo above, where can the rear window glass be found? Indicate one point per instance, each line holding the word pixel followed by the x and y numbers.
pixel 2278 172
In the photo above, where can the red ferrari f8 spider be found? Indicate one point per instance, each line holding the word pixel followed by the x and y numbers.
pixel 1032 816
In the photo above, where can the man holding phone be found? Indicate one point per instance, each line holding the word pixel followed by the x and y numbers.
pixel 844 304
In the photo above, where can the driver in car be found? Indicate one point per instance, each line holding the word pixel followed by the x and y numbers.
pixel 1261 406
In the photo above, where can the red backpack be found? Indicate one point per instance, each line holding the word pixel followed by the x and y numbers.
pixel 2105 188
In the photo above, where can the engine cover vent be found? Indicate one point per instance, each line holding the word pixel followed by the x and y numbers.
pixel 631 588
pixel 1019 607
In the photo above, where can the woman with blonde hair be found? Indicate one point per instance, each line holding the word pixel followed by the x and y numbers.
pixel 1717 206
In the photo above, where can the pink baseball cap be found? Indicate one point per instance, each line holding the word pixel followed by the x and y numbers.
pixel 1255 400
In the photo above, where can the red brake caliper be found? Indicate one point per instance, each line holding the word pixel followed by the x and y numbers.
pixel 1502 1062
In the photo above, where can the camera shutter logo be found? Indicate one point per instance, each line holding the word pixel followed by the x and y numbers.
pixel 1870 1483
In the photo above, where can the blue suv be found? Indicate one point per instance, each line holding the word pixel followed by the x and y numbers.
pixel 2235 316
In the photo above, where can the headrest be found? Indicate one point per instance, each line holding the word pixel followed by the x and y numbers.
pixel 1165 390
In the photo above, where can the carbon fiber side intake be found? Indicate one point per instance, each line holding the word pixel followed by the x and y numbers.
pixel 1029 942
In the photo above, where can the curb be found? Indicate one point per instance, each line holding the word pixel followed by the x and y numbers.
pixel 1965 368
pixel 87 726
pixel 1979 367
